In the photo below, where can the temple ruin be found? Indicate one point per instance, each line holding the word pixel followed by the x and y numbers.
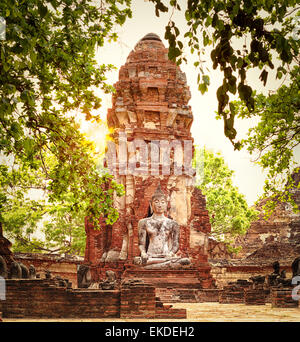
pixel 149 152
pixel 150 112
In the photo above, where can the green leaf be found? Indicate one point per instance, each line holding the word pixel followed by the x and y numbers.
pixel 43 10
pixel 202 87
pixel 206 80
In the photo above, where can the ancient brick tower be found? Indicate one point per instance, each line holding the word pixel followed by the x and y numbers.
pixel 150 110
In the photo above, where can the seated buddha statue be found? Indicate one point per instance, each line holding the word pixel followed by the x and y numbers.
pixel 163 237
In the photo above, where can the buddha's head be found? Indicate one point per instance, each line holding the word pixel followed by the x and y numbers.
pixel 159 201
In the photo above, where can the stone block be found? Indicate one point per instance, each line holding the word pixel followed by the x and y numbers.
pixel 255 297
pixel 282 298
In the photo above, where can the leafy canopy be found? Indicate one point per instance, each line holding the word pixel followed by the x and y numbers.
pixel 275 137
pixel 244 35
pixel 241 36
pixel 47 70
pixel 36 222
pixel 228 210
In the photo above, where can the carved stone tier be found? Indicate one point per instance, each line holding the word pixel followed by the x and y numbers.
pixel 174 285
pixel 181 278
pixel 151 91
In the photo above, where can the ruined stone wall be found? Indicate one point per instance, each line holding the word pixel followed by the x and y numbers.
pixel 267 241
pixel 282 298
pixel 172 285
pixel 275 238
pixel 58 265
pixel 217 250
pixel 223 274
pixel 139 300
pixel 42 298
pixel 275 230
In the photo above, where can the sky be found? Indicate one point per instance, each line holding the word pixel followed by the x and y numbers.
pixel 206 130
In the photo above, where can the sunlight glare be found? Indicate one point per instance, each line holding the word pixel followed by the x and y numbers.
pixel 96 132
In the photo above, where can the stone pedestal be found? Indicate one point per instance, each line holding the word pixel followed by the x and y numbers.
pixel 173 285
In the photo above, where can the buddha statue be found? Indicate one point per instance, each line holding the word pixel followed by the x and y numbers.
pixel 163 236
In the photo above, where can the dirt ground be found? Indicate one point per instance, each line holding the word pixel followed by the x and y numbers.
pixel 206 312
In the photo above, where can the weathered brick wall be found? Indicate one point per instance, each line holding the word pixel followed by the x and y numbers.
pixel 58 265
pixel 223 274
pixel 172 286
pixel 234 293
pixel 255 296
pixel 40 298
pixel 138 301
pixel 282 298
pixel 208 295
pixel 217 250
pixel 267 241
pixel 231 297
pixel 278 237
pixel 167 312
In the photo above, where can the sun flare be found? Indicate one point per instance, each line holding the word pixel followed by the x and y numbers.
pixel 96 132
